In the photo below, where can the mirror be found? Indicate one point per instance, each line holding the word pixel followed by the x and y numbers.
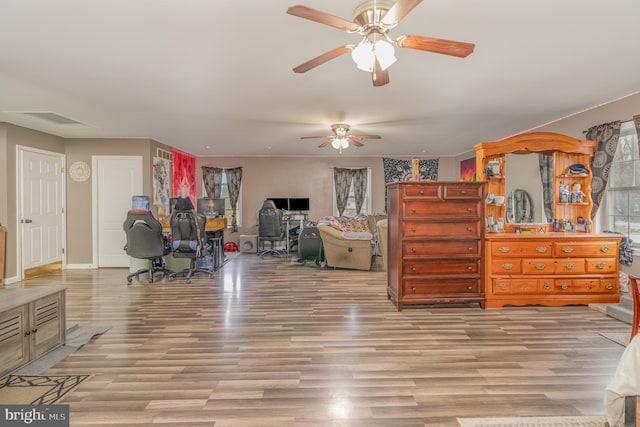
pixel 519 207
pixel 519 170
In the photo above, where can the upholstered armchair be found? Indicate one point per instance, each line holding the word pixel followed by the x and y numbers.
pixel 349 246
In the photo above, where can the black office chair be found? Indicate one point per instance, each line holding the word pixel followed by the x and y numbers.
pixel 146 241
pixel 188 240
pixel 271 228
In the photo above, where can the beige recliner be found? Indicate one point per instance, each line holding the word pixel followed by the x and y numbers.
pixel 348 249
pixel 383 226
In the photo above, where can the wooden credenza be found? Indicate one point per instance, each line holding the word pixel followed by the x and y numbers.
pixel 32 323
pixel 435 242
pixel 552 269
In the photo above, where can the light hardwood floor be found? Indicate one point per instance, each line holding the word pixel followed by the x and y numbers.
pixel 271 343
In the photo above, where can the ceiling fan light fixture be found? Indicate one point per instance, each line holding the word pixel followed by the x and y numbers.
pixel 385 53
pixel 335 143
pixel 363 55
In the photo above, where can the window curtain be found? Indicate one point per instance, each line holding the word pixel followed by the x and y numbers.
pixel 636 123
pixel 400 170
pixel 546 176
pixel 234 179
pixel 342 179
pixel 359 187
pixel 607 136
pixel 212 178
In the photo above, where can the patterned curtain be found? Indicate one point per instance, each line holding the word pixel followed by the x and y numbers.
pixel 359 186
pixel 400 170
pixel 607 136
pixel 636 122
pixel 234 179
pixel 212 178
pixel 546 176
pixel 342 178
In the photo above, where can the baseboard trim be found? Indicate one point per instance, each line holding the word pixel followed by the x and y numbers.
pixel 80 267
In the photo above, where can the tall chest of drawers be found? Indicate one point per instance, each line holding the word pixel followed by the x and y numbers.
pixel 551 269
pixel 435 242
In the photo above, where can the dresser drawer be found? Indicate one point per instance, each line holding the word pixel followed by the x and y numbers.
pixel 538 266
pixel 441 248
pixel 442 267
pixel 462 191
pixel 419 288
pixel 585 249
pixel 426 191
pixel 521 249
pixel 602 265
pixel 515 286
pixel 446 229
pixel 570 266
pixel 458 209
pixel 505 266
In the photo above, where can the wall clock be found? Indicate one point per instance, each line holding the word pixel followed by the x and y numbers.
pixel 79 171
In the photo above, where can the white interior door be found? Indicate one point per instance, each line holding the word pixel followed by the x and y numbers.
pixel 117 178
pixel 41 201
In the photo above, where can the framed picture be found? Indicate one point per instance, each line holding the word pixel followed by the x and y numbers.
pixel 468 169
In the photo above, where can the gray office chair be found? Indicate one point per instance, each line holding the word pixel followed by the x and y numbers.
pixel 189 240
pixel 271 228
pixel 146 241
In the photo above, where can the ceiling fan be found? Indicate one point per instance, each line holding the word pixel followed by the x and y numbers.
pixel 341 138
pixel 375 52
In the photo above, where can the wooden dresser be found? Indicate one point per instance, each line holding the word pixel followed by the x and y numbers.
pixel 435 242
pixel 551 269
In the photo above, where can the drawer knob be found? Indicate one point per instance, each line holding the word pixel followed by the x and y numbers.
pixel 570 266
pixel 541 249
pixel 422 192
pixel 546 285
pixel 463 192
pixel 605 249
pixel 469 229
pixel 413 229
pixel 469 209
pixel 567 249
pixel 414 290
pixel 507 266
pixel 413 210
pixel 601 265
pixel 609 286
pixel 413 269
pixel 503 249
pixel 503 286
pixel 564 286
pixel 539 266
pixel 414 250
pixel 469 268
pixel 470 288
pixel 27 333
pixel 33 331
pixel 470 249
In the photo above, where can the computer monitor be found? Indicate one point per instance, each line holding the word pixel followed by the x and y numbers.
pixel 140 203
pixel 210 207
pixel 299 204
pixel 280 202
pixel 172 203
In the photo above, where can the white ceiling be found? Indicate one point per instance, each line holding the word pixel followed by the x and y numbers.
pixel 214 77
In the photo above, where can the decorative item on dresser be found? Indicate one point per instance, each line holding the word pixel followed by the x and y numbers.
pixel 435 241
pixel 541 263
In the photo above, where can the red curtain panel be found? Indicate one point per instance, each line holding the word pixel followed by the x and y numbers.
pixel 184 175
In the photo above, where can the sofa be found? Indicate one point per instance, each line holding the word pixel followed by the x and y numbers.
pixel 348 242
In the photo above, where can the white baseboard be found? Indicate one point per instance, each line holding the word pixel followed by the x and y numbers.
pixel 80 267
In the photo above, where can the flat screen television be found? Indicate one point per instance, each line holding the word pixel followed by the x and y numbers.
pixel 280 202
pixel 211 208
pixel 299 204
pixel 140 203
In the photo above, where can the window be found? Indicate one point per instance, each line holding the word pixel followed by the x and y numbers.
pixel 350 209
pixel 623 187
pixel 224 193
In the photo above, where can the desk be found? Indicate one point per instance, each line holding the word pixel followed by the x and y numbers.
pixel 215 232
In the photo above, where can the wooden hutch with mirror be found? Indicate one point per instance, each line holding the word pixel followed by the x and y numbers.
pixel 529 262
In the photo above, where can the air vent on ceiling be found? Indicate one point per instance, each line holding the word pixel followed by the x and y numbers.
pixel 49 117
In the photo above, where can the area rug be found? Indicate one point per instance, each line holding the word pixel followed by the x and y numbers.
pixel 621 338
pixel 76 337
pixel 37 389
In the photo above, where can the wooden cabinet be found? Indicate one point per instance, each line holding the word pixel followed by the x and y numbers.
pixel 32 323
pixel 551 269
pixel 435 242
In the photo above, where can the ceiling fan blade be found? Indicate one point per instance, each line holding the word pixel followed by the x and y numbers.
pixel 312 137
pixel 323 18
pixel 429 44
pixel 398 11
pixel 327 142
pixel 319 60
pixel 379 76
pixel 366 136
pixel 354 141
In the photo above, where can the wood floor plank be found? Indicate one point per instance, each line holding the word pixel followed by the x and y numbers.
pixel 268 342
